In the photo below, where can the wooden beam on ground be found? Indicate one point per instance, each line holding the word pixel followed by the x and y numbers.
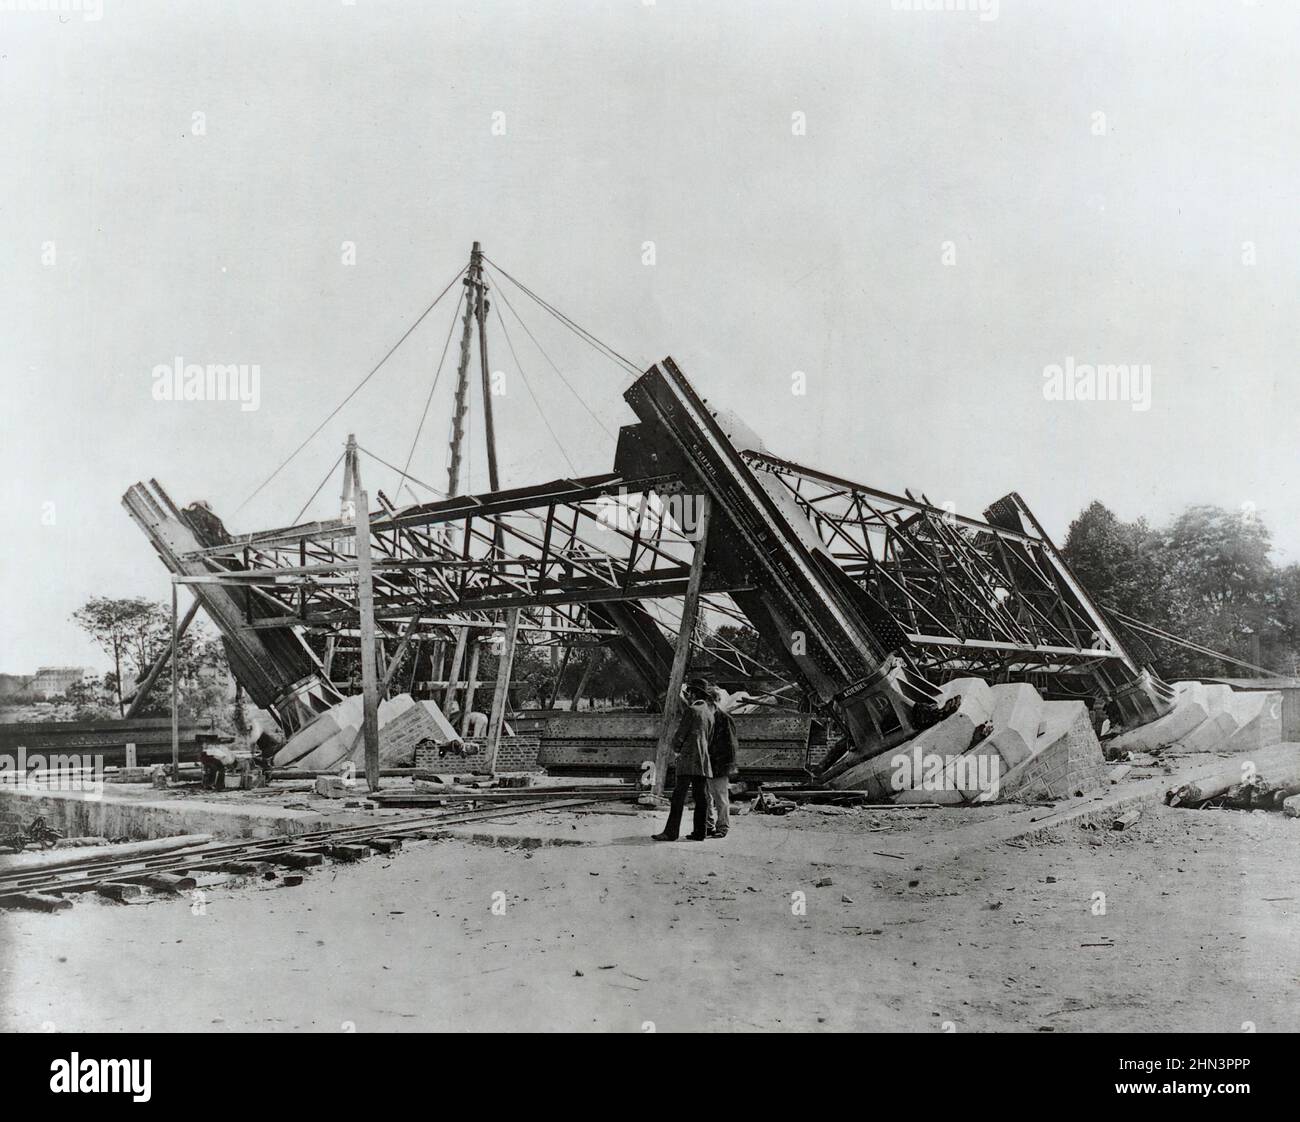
pixel 502 693
pixel 681 654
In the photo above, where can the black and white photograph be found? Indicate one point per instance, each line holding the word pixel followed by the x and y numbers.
pixel 651 516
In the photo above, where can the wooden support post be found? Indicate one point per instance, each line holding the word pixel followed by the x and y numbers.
pixel 481 313
pixel 453 675
pixel 390 667
pixel 176 692
pixel 681 655
pixel 462 383
pixel 559 675
pixel 160 664
pixel 415 666
pixel 369 679
pixel 435 662
pixel 471 685
pixel 581 687
pixel 502 693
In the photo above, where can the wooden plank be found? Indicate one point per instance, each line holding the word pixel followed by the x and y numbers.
pixel 677 675
pixel 501 694
pixel 471 686
pixel 453 677
pixel 35 901
pixel 581 688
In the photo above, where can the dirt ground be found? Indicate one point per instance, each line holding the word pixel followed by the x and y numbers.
pixel 1198 932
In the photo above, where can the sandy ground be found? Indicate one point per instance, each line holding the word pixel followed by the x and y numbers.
pixel 1198 933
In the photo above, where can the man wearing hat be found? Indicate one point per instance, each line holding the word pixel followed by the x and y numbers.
pixel 691 745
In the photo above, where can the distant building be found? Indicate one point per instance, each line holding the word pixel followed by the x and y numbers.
pixel 55 681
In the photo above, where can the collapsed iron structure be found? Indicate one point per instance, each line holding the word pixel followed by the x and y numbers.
pixel 870 600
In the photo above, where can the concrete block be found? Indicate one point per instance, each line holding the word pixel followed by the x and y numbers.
pixel 1018 708
pixel 977 773
pixel 310 737
pixel 331 739
pixel 1216 697
pixel 976 696
pixel 334 786
pixel 1188 712
pixel 1067 756
pixel 1259 720
pixel 1211 735
pixel 950 737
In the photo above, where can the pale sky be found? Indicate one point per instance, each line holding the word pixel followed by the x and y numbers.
pixel 1104 239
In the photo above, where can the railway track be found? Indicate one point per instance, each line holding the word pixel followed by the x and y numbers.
pixel 88 874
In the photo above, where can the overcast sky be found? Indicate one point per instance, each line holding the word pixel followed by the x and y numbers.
pixel 1105 174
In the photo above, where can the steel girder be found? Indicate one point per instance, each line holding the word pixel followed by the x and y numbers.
pixel 870 599
pixel 588 561
pixel 971 597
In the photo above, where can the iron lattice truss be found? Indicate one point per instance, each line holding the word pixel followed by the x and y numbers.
pixel 971 597
pixel 868 600
pixel 584 560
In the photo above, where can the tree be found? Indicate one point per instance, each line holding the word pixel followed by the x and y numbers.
pixel 1220 578
pixel 610 677
pixel 120 628
pixel 1207 578
pixel 135 632
pixel 203 679
pixel 1120 563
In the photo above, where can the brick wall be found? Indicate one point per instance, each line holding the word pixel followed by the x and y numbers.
pixel 514 754
pixel 1073 763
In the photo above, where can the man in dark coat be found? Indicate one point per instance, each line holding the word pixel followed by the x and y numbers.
pixel 691 745
pixel 722 766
